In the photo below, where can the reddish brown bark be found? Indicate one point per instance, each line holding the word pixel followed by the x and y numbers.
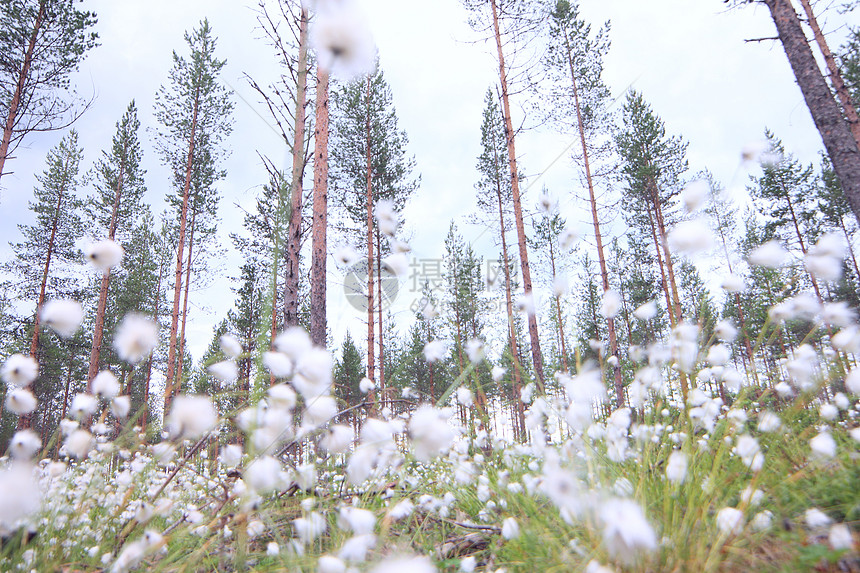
pixel 171 386
pixel 19 89
pixel 537 358
pixel 601 258
pixel 371 366
pixel 95 350
pixel 180 355
pixel 839 141
pixel 833 70
pixel 320 212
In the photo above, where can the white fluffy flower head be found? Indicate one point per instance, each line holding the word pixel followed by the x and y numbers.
pixel 64 316
pixel 104 255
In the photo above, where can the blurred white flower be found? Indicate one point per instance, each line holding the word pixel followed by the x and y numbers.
pixel 83 405
pixel 191 417
pixel 475 350
pixel 464 396
pixel 676 467
pixel 105 385
pixel 510 528
pixel 695 194
pixel 816 519
pixel 120 406
pixel 771 255
pixel 719 355
pixel 730 521
pixel 823 446
pixel 278 364
pixel 396 264
pixel 610 304
pixel 342 39
pixel 691 237
pixel 626 532
pixel 840 537
pixel 403 564
pixel 366 385
pixel 568 238
pixel 725 330
pixel 64 316
pixel 135 338
pixel 231 455
pixel 294 342
pixel 310 527
pixel 355 548
pixel 225 371
pixel 19 370
pixel 526 303
pixel 387 217
pixel 24 444
pixel 828 412
pixel 230 346
pixel 346 256
pixel 330 564
pixel 732 283
pixel 430 433
pixel 78 444
pixel 20 401
pixel 320 410
pixel 646 311
pixel 545 203
pixel 768 421
pixel 337 439
pixel 104 254
pixel 435 350
pixel 498 373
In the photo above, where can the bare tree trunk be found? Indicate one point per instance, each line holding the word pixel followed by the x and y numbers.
pixel 379 318
pixel 9 127
pixel 558 314
pixel 294 230
pixel 318 238
pixel 371 366
pixel 604 274
pixel 833 70
pixel 148 377
pixel 515 352
pixel 180 355
pixel 98 331
pixel 170 387
pixel 839 141
pixel 537 358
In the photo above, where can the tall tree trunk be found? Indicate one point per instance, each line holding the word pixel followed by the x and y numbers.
pixel 601 258
pixel 558 314
pixel 294 230
pixel 833 70
pixel 148 376
pixel 371 366
pixel 170 387
pixel 95 350
pixel 670 270
pixel 12 116
pixel 34 342
pixel 537 358
pixel 318 237
pixel 379 318
pixel 180 355
pixel 515 353
pixel 842 148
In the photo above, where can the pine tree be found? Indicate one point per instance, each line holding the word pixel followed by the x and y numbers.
pixel 41 42
pixel 370 164
pixel 49 243
pixel 511 23
pixel 785 194
pixel 194 113
pixel 574 61
pixel 115 207
pixel 652 166
pixel 495 200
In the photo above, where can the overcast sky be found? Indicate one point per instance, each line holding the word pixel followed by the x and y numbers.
pixel 687 57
